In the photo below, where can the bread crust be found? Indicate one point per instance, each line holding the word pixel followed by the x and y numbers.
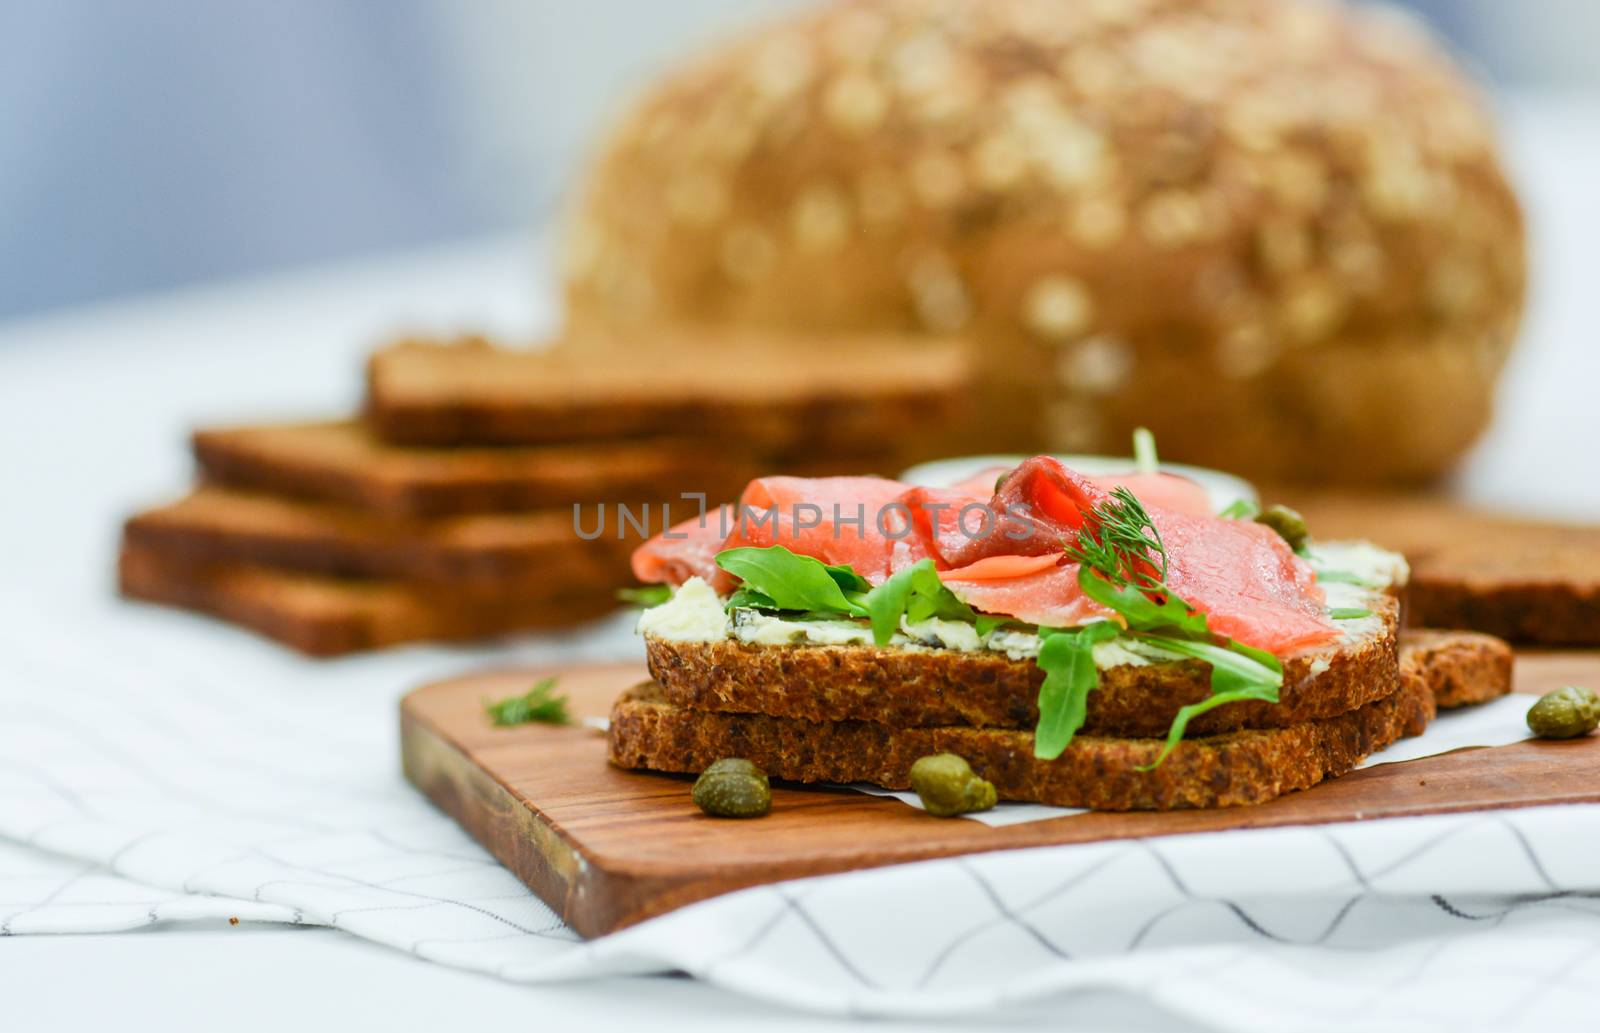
pixel 1460 668
pixel 1243 767
pixel 343 462
pixel 919 688
pixel 1295 248
pixel 1539 586
pixel 323 616
pixel 768 393
pixel 523 551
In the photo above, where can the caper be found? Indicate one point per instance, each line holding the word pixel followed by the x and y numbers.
pixel 733 788
pixel 1565 713
pixel 1289 524
pixel 948 786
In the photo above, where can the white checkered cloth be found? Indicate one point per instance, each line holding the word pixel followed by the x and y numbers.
pixel 154 767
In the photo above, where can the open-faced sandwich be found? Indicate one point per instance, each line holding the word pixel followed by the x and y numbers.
pixel 1107 642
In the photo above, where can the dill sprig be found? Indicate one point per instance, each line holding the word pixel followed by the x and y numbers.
pixel 1119 541
pixel 539 703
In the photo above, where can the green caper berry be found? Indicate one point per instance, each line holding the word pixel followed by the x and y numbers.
pixel 1565 713
pixel 733 788
pixel 947 786
pixel 1290 525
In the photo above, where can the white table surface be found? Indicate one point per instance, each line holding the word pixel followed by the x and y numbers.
pixel 95 405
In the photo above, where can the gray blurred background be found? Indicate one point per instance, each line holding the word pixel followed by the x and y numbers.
pixel 152 143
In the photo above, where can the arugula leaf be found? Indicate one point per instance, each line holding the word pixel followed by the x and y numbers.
pixel 749 599
pixel 915 593
pixel 645 595
pixel 539 703
pixel 1238 672
pixel 1141 612
pixel 1067 659
pixel 987 623
pixel 791 582
pixel 1185 714
pixel 1345 577
pixel 1348 613
pixel 1247 664
pixel 846 578
pixel 1239 509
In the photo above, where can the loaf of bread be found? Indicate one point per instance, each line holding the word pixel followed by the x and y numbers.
pixel 1274 231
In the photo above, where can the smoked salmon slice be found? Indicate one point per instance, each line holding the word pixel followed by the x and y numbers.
pixel 1241 574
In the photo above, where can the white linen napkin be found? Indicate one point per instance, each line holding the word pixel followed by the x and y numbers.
pixel 156 767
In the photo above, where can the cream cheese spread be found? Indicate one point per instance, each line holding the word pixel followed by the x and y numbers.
pixel 696 614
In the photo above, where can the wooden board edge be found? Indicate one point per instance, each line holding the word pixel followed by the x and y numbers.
pixel 591 898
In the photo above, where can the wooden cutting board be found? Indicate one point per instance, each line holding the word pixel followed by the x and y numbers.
pixel 606 848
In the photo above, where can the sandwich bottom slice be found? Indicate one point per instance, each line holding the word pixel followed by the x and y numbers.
pixel 328 616
pixel 1098 772
pixel 1461 668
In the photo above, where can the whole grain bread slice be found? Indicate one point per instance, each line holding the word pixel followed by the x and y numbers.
pixel 1242 767
pixel 917 687
pixel 761 390
pixel 1539 585
pixel 1460 668
pixel 1522 579
pixel 343 461
pixel 213 524
pixel 324 616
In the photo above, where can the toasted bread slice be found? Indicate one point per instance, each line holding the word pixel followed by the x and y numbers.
pixel 1460 668
pixel 495 549
pixel 1519 578
pixel 1099 772
pixel 922 687
pixel 768 391
pixel 1537 586
pixel 325 616
pixel 344 462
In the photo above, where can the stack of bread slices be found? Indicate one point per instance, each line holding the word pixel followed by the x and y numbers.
pixel 487 490
pixel 810 704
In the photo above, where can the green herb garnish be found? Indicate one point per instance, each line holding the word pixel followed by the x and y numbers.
pixel 1123 566
pixel 539 703
pixel 1238 672
pixel 1066 656
pixel 987 624
pixel 1240 509
pixel 1348 613
pixel 1121 542
pixel 1145 460
pixel 917 594
pixel 645 595
pixel 779 579
pixel 1345 577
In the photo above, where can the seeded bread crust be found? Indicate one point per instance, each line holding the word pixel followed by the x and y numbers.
pixel 924 688
pixel 1460 668
pixel 324 616
pixel 1243 767
pixel 1289 229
